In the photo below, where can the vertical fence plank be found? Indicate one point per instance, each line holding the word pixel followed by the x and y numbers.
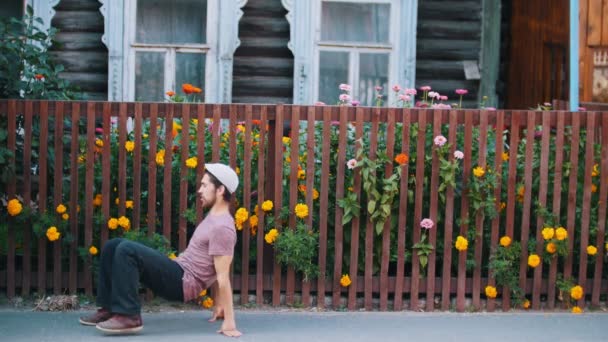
pixel 167 170
pixel 449 221
pixel 479 219
pixel 345 112
pixel 356 222
pixel 464 209
pixel 601 222
pixel 432 233
pixel 323 210
pixel 386 231
pixel 122 159
pixel 27 195
pixel 183 183
pixel 293 193
pixel 152 172
pixel 369 228
pixel 74 209
pixel 89 185
pixel 525 224
pixel 42 193
pixel 542 200
pixel 247 166
pixel 557 197
pixel 259 276
pixel 572 193
pixel 586 208
pixel 232 110
pixel 201 128
pixel 491 305
pixel 11 189
pixel 106 170
pixel 277 193
pixel 58 192
pixel 137 133
pixel 216 129
pixel 310 183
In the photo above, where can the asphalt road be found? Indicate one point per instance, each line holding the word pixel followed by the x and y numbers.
pixel 319 326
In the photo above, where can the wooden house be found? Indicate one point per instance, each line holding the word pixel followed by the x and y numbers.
pixel 288 51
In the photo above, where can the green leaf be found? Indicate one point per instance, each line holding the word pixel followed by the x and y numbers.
pixel 371 206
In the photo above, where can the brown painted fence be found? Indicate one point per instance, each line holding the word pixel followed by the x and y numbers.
pixel 60 141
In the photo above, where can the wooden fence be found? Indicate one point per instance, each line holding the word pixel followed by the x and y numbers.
pixel 33 263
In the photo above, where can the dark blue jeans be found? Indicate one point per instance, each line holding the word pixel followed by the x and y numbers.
pixel 123 264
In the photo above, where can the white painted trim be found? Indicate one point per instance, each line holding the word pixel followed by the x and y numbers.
pixel 44 9
pixel 222 40
pixel 304 18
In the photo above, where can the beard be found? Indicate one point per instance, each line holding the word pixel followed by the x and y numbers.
pixel 208 203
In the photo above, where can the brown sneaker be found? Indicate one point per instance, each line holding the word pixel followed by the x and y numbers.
pixel 121 324
pixel 98 317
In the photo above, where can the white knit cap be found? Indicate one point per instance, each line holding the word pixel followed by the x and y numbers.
pixel 225 174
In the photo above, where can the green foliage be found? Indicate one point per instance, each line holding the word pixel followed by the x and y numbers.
pixel 298 248
pixel 423 249
pixel 504 267
pixel 481 192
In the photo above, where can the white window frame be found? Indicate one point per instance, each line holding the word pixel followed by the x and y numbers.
pixel 305 43
pixel 221 42
pixel 44 9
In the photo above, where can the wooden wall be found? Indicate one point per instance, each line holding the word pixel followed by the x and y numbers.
pixel 448 32
pixel 538 53
pixel 593 34
pixel 79 47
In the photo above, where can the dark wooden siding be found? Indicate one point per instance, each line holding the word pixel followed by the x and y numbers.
pixel 79 47
pixel 263 65
pixel 449 32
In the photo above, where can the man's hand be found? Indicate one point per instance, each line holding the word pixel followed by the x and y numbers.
pixel 218 313
pixel 229 330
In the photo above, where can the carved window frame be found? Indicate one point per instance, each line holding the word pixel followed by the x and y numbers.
pixel 304 19
pixel 45 10
pixel 222 41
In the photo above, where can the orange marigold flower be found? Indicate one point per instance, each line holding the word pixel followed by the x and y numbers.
pixel 187 88
pixel 345 280
pixel 39 76
pixel 401 159
pixel 170 93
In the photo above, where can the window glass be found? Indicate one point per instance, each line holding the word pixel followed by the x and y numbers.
pixel 333 70
pixel 171 21
pixel 190 68
pixel 149 76
pixel 373 72
pixel 353 22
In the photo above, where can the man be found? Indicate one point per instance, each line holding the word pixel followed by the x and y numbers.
pixel 124 263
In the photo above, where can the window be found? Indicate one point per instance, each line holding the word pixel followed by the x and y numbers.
pixel 363 43
pixel 166 43
pixel 11 8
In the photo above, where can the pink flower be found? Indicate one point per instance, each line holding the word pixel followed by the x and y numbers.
pixel 441 106
pixel 344 97
pixel 404 97
pixel 425 88
pixel 355 103
pixel 345 87
pixel 351 164
pixel 434 94
pixel 99 130
pixel 443 98
pixel 421 104
pixel 440 140
pixel 335 123
pixel 547 104
pixel 427 223
pixel 489 108
pixel 458 155
pixel 396 88
pixel 583 109
pixel 378 88
pixel 319 103
pixel 462 91
pixel 410 91
pixel 379 96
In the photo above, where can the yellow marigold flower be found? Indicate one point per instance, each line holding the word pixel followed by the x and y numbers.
pixel 113 223
pixel 93 250
pixel 129 204
pixel 253 220
pixel 461 243
pixel 52 234
pixel 345 280
pixel 65 216
pixel 593 188
pixel 267 205
pixel 145 136
pixel 350 188
pixel 172 256
pixel 191 162
pixel 576 292
pixel 596 170
pixel 315 194
pixel 505 241
pixel 520 193
pixel 203 293
pixel 238 171
pixel 591 250
pixel 533 260
pixel 606 246
pixel 130 146
pixel 207 303
pixel 503 205
pixel 286 140
pixel 124 222
pixel 561 233
pixel 160 158
pixel 240 128
pixel 99 142
pixel 287 160
pixel 548 233
pixel 551 248
pixel 491 291
pixel 505 156
pixel 60 209
pixel 479 171
pixel 301 174
pixel 255 209
pixel 241 215
pixel 526 304
pixel 271 236
pixel 14 207
pixel 81 159
pixel 117 201
pixel 577 310
pixel 97 200
pixel 301 210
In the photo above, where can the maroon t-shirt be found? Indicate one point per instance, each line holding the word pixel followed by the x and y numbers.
pixel 214 236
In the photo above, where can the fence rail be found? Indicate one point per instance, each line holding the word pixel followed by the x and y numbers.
pixel 77 150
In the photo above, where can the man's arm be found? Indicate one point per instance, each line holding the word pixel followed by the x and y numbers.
pixel 222 268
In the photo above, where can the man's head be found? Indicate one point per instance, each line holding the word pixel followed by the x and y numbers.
pixel 219 181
